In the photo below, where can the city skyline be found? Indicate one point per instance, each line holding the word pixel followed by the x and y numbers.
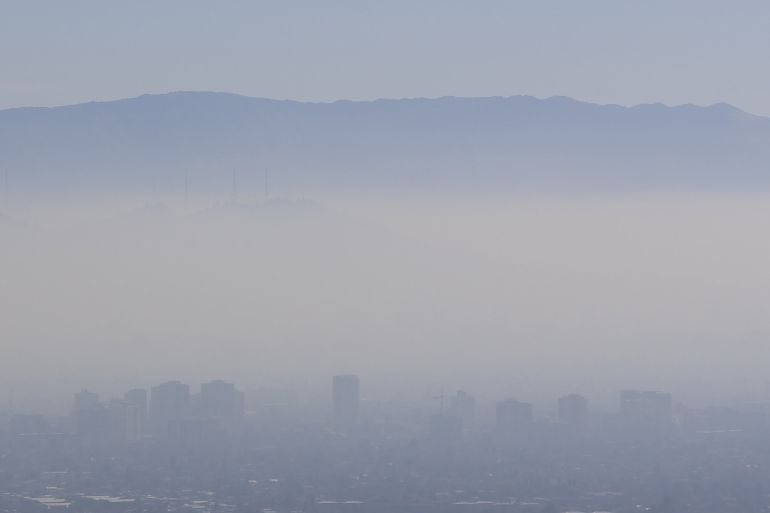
pixel 103 454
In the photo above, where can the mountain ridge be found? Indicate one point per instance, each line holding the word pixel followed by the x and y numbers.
pixel 153 141
pixel 715 106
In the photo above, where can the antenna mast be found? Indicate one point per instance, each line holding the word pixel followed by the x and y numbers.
pixel 235 188
pixel 267 184
pixel 186 189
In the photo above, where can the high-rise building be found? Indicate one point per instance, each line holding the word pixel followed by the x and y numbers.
pixel 125 421
pixel 513 415
pixel 573 409
pixel 221 401
pixel 168 402
pixel 90 417
pixel 346 398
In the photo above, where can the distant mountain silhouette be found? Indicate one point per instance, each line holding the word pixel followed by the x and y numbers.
pixel 152 141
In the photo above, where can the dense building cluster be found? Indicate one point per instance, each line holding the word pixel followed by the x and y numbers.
pixel 219 450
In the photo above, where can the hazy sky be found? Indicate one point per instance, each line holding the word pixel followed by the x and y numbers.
pixel 532 297
pixel 610 51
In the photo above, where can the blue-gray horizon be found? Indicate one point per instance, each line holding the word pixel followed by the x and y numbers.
pixel 532 96
pixel 608 52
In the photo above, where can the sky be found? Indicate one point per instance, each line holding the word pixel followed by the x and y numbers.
pixel 606 51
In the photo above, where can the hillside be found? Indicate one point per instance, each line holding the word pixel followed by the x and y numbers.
pixel 150 142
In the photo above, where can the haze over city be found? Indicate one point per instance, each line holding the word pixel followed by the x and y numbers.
pixel 366 257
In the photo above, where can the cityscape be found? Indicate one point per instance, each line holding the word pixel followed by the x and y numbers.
pixel 433 256
pixel 218 450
